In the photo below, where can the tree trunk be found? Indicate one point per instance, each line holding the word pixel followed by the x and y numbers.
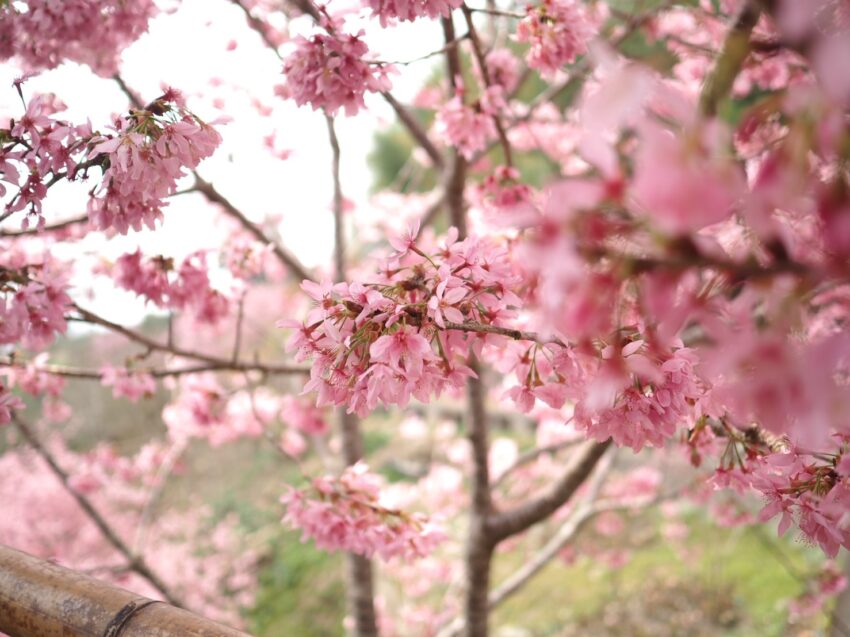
pixel 361 588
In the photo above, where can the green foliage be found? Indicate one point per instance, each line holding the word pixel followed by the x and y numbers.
pixel 302 592
pixel 744 572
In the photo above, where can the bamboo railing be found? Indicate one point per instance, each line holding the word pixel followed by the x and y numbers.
pixel 40 599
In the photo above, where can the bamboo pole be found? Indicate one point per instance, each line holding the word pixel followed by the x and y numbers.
pixel 41 599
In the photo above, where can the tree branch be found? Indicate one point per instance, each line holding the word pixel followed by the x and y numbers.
pixel 213 362
pixel 565 533
pixel 289 260
pixel 730 61
pixel 504 524
pixel 56 227
pixel 478 51
pixel 135 562
pixel 93 374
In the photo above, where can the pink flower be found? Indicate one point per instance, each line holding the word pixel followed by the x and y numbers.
pixel 129 384
pixel 443 303
pixel 409 10
pixel 557 31
pixel 346 514
pixel 329 72
pixel 151 151
pixel 503 69
pixel 404 350
pixel 469 127
pixel 683 181
pixel 648 411
pixel 183 287
pixel 35 312
pixel 91 32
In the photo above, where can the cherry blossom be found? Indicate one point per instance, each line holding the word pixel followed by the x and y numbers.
pixel 328 71
pixel 346 513
pixel 143 160
pixel 91 32
pixel 558 32
pixel 128 384
pixel 389 10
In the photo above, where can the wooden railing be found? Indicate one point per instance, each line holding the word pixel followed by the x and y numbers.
pixel 40 599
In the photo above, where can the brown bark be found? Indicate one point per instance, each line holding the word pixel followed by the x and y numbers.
pixel 507 523
pixel 360 576
pixel 41 599
pixel 479 547
pixel 359 571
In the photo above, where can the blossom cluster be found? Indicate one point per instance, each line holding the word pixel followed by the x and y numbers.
pixel 409 10
pixel 808 490
pixel 204 409
pixel 558 32
pixel 657 401
pixel 811 494
pixel 470 127
pixel 47 387
pixel 33 303
pixel 385 342
pixel 346 513
pixel 126 383
pixel 329 71
pixel 41 150
pixel 142 161
pixel 44 33
pixel 186 286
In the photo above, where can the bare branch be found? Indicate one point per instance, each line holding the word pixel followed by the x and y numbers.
pixel 213 362
pixel 93 374
pixel 730 61
pixel 478 50
pixel 517 335
pixel 530 456
pixel 504 524
pixel 289 260
pixel 56 227
pixel 135 562
pixel 259 26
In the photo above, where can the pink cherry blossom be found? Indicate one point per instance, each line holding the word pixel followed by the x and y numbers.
pixel 558 32
pixel 346 513
pixel 328 71
pixel 408 10
pixel 128 384
pixel 91 32
pixel 143 160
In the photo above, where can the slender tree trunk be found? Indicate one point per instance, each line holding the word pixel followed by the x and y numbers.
pixel 839 625
pixel 360 584
pixel 360 577
pixel 479 548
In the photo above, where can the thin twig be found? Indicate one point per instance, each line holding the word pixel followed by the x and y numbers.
pixel 214 362
pixel 531 455
pixel 478 50
pixel 289 260
pixel 56 227
pixel 135 562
